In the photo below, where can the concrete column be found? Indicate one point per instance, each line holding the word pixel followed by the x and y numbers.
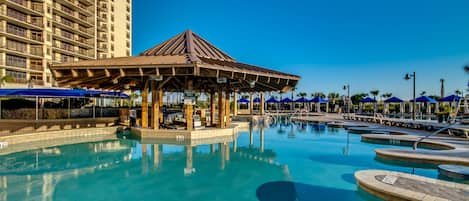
pixel 145 105
pixel 235 104
pixel 227 109
pixel 189 110
pixel 251 104
pixel 212 108
pixel 262 104
pixel 155 106
pixel 221 110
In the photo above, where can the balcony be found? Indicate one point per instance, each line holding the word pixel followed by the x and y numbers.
pixel 73 15
pixel 76 5
pixel 37 51
pixel 22 20
pixel 35 8
pixel 34 66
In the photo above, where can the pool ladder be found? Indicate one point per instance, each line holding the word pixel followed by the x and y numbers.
pixel 452 122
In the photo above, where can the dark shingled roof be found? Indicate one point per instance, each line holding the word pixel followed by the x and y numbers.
pixel 190 44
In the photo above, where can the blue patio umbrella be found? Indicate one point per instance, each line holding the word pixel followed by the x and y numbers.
pixel 393 100
pixel 272 100
pixel 424 99
pixel 257 100
pixel 243 100
pixel 286 100
pixel 368 100
pixel 301 100
pixel 450 98
pixel 318 99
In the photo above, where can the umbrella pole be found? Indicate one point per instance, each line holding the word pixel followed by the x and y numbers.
pixel 68 107
pixel 94 108
pixel 37 108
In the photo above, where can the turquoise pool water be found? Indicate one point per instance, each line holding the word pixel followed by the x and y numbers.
pixel 283 162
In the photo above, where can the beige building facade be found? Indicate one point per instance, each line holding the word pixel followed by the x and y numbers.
pixel 35 33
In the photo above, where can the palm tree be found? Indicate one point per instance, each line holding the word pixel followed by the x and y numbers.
pixel 302 94
pixel 318 94
pixel 458 92
pixel 423 93
pixel 466 68
pixel 374 93
pixel 386 95
pixel 333 97
pixel 5 79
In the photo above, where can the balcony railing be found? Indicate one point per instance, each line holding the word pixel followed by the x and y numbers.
pixel 36 51
pixel 36 67
pixel 38 7
pixel 20 2
pixel 37 38
pixel 16 31
pixel 15 63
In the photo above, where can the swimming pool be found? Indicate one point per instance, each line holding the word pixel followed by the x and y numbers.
pixel 282 162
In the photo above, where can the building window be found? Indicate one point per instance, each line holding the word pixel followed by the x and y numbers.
pixel 16 61
pixel 16 74
pixel 112 37
pixel 128 44
pixel 16 30
pixel 112 18
pixel 16 45
pixel 65 58
pixel 128 26
pixel 16 14
pixel 127 52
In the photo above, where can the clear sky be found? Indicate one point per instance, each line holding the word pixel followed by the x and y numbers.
pixel 369 44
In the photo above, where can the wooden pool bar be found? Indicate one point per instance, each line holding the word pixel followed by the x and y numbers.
pixel 185 63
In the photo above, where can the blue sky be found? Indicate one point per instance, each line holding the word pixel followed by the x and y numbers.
pixel 368 44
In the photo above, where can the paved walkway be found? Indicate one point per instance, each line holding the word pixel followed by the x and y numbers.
pixel 391 185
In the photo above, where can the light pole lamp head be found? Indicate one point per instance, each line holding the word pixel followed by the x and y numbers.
pixel 407 76
pixel 345 87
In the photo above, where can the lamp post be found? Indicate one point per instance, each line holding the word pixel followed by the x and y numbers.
pixel 347 87
pixel 408 76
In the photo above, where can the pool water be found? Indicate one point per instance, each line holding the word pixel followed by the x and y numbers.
pixel 282 162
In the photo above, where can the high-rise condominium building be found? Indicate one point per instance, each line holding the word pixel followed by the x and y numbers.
pixel 34 33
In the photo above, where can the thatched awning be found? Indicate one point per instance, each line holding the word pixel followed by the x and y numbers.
pixel 185 56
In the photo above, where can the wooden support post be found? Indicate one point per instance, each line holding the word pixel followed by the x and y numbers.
pixel 227 109
pixel 235 104
pixel 160 95
pixel 189 110
pixel 221 110
pixel 262 104
pixel 155 106
pixel 212 108
pixel 145 105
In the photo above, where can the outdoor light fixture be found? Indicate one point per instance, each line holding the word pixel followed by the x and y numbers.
pixel 155 77
pixel 222 80
pixel 409 76
pixel 252 84
pixel 347 87
pixel 115 81
pixel 126 86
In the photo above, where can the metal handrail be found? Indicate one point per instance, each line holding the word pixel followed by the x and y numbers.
pixel 452 122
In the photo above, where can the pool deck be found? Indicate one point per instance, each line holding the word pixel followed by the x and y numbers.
pixel 390 185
